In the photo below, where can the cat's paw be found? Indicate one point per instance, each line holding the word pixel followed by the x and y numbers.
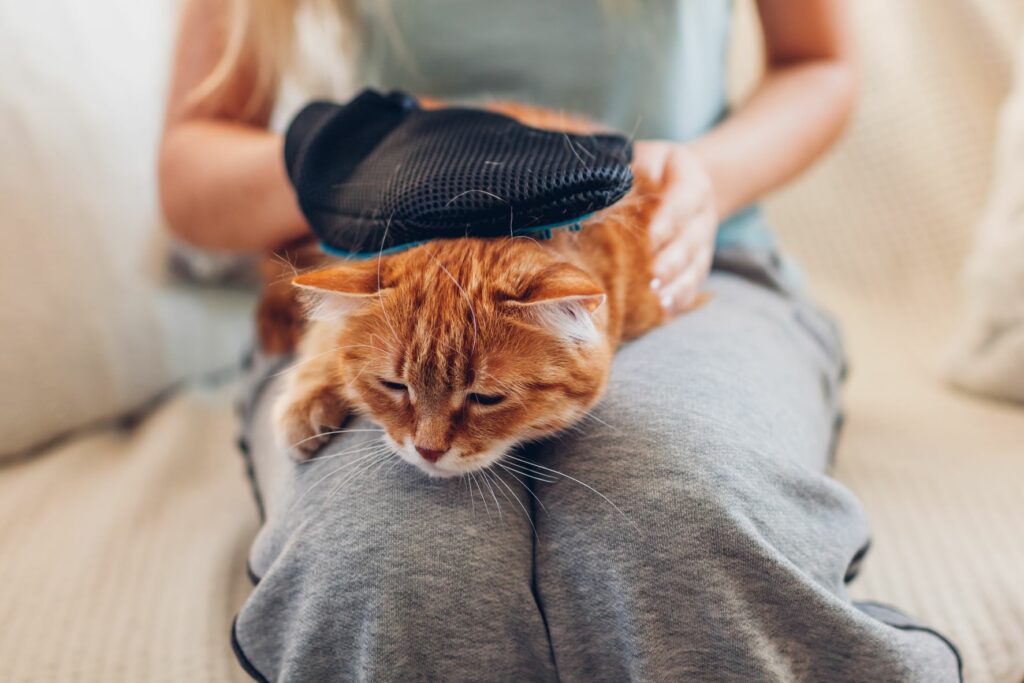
pixel 305 423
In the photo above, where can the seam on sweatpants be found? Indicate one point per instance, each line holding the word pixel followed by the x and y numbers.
pixel 534 588
pixel 243 659
pixel 944 639
pixel 250 474
pixel 922 629
pixel 853 569
pixel 256 385
pixel 251 574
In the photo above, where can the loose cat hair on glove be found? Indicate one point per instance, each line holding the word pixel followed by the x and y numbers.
pixel 382 173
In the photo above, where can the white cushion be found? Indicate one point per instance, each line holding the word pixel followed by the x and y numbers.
pixel 88 328
pixel 987 355
pixel 882 227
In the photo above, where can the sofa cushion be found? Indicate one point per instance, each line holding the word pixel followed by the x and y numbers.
pixel 90 326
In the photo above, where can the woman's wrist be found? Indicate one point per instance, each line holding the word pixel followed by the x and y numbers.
pixel 704 150
pixel 294 225
pixel 793 116
pixel 224 186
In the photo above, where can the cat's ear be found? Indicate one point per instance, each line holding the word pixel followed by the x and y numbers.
pixel 332 293
pixel 563 298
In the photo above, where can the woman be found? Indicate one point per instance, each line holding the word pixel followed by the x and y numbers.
pixel 717 549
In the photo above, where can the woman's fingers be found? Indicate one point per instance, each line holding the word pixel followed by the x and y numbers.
pixel 683 224
pixel 695 239
pixel 666 221
pixel 677 295
pixel 675 215
pixel 671 260
pixel 680 294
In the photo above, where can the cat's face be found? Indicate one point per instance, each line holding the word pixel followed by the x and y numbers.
pixel 461 349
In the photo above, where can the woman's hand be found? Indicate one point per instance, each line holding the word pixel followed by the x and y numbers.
pixel 684 223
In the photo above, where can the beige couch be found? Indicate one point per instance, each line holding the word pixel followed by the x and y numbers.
pixel 122 549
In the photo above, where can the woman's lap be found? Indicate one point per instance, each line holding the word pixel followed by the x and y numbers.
pixel 367 570
pixel 693 533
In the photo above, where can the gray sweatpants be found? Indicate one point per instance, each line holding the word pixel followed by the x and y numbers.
pixel 694 535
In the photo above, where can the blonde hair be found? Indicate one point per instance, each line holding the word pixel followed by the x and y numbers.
pixel 263 31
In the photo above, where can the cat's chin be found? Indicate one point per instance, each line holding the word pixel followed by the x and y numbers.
pixel 452 464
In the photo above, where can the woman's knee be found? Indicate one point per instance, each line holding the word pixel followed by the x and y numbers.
pixel 706 425
pixel 395 566
pixel 690 478
pixel 390 522
pixel 675 439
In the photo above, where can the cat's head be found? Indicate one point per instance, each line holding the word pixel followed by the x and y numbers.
pixel 463 348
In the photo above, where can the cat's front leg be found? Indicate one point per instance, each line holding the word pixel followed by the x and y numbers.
pixel 308 414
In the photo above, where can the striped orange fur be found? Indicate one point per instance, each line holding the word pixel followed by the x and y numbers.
pixel 460 349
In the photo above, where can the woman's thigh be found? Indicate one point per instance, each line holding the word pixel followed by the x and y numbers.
pixel 717 547
pixel 368 570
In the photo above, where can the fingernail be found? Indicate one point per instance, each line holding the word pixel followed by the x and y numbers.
pixel 666 301
pixel 656 284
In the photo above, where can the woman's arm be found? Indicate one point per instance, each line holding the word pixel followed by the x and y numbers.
pixel 798 110
pixel 223 183
pixel 795 114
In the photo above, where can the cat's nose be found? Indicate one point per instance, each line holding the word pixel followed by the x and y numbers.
pixel 429 454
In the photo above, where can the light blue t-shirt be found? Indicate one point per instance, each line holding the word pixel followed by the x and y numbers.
pixel 648 68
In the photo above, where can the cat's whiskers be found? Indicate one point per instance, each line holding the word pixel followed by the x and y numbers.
pixel 468 476
pixel 480 489
pixel 464 193
pixel 472 480
pixel 526 473
pixel 380 260
pixel 358 473
pixel 382 455
pixel 362 448
pixel 389 458
pixel 497 476
pixel 526 237
pixel 284 261
pixel 388 344
pixel 575 429
pixel 305 493
pixel 490 488
pixel 315 356
pixel 572 148
pixel 469 489
pixel 351 474
pixel 524 485
pixel 489 474
pixel 636 127
pixel 349 451
pixel 581 483
pixel 589 414
pixel 333 432
pixel 362 369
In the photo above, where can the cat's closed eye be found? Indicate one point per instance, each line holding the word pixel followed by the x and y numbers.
pixel 486 399
pixel 392 386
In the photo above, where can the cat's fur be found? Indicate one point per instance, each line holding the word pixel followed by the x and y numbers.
pixel 495 341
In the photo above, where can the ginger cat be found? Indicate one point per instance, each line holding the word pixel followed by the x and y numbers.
pixel 461 349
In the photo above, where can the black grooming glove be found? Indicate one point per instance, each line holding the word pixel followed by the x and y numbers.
pixel 380 173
